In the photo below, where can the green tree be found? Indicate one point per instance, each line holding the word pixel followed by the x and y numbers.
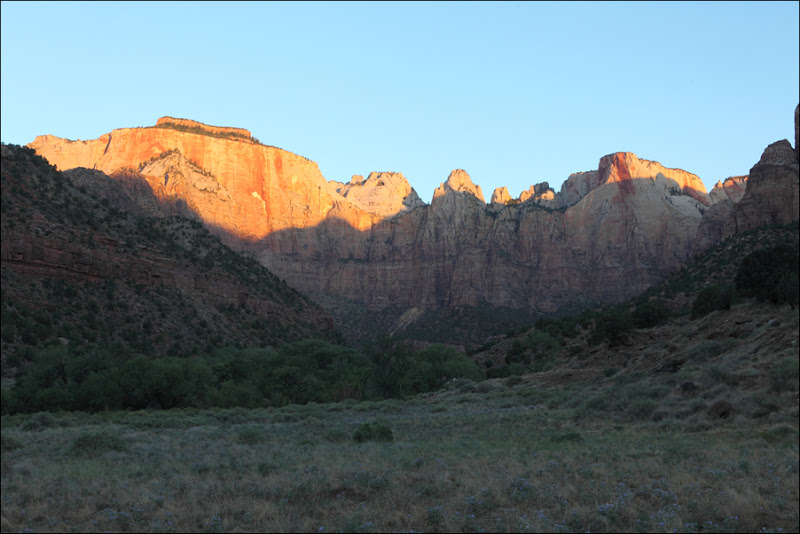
pixel 712 298
pixel 650 314
pixel 770 274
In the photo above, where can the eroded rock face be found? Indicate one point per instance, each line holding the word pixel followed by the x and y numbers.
pixel 615 231
pixel 540 194
pixel 501 196
pixel 270 189
pixel 772 190
pixel 731 188
pixel 460 182
pixel 383 193
pixel 770 196
pixel 797 134
pixel 577 186
pixel 622 167
pixel 216 130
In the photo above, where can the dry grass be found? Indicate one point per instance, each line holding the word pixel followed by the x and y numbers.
pixel 459 462
pixel 572 449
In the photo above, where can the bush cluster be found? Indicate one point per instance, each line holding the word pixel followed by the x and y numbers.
pixel 770 275
pixel 372 432
pixel 712 298
pixel 296 373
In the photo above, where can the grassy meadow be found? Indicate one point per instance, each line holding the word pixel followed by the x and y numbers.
pixel 492 456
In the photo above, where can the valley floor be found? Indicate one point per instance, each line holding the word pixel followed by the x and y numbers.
pixel 493 456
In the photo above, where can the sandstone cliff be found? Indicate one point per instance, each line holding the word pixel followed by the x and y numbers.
pixel 770 196
pixel 501 196
pixel 731 188
pixel 607 235
pixel 271 189
pixel 772 190
pixel 383 193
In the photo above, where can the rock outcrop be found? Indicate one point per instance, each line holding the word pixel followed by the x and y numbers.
pixel 577 186
pixel 271 189
pixel 190 125
pixel 731 188
pixel 772 190
pixel 623 167
pixel 770 195
pixel 540 194
pixel 501 196
pixel 383 193
pixel 607 235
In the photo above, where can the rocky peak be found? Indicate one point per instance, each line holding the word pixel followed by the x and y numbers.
pixel 778 153
pixel 731 188
pixel 797 134
pixel 459 181
pixel 334 238
pixel 772 196
pixel 540 194
pixel 623 166
pixel 501 196
pixel 382 193
pixel 577 186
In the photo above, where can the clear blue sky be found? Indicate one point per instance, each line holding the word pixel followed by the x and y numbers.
pixel 514 93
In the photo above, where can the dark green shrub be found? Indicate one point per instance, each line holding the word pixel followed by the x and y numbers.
pixel 484 387
pixel 538 350
pixel 713 298
pixel 650 314
pixel 250 435
pixel 641 408
pixel 40 421
pixel 611 325
pixel 784 374
pixel 770 274
pixel 764 402
pixel 336 435
pixel 706 350
pixel 498 372
pixel 9 443
pixel 513 381
pixel 567 436
pixel 265 468
pixel 91 444
pixel 372 432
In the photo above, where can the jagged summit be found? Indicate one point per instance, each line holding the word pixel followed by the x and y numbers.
pixel 459 181
pixel 382 193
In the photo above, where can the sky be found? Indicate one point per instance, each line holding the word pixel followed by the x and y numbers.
pixel 515 93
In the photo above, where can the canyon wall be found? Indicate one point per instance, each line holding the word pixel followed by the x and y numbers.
pixel 606 236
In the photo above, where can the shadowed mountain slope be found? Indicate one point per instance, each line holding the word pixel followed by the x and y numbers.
pixel 99 262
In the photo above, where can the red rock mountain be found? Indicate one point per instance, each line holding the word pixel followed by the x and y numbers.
pixel 78 242
pixel 607 235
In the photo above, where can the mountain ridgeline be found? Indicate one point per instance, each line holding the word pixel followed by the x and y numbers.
pixel 608 235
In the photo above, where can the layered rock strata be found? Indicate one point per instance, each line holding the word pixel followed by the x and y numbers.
pixel 607 235
pixel 80 226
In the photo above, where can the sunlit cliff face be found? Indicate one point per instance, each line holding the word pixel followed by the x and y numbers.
pixel 233 183
pixel 250 190
pixel 607 232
